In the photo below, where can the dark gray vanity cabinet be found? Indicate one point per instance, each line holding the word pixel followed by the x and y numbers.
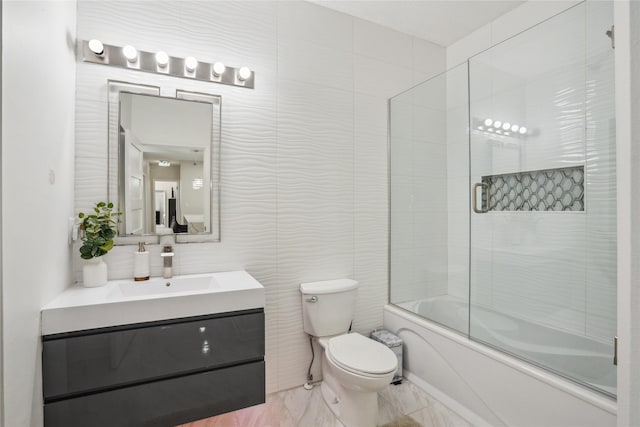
pixel 161 373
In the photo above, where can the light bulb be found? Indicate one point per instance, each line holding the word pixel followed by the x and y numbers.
pixel 130 53
pixel 507 133
pixel 218 69
pixel 506 126
pixel 497 124
pixel 490 129
pixel 244 73
pixel 96 47
pixel 499 131
pixel 162 59
pixel 480 128
pixel 190 63
pixel 488 122
pixel 515 128
pixel 523 130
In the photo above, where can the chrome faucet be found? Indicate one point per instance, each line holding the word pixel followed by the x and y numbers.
pixel 167 256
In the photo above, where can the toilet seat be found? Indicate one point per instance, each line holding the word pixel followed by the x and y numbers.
pixel 360 355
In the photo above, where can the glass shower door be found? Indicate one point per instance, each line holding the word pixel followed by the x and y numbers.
pixel 542 183
pixel 429 172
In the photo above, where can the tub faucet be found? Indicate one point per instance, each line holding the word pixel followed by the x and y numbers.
pixel 167 256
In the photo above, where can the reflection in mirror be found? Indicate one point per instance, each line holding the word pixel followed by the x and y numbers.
pixel 167 177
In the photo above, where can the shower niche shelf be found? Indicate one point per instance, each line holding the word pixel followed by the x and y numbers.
pixel 559 190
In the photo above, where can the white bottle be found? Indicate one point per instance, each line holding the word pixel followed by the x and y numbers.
pixel 141 264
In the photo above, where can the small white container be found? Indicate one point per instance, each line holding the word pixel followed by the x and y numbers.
pixel 141 264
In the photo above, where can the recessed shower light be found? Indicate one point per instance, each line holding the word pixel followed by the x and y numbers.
pixel 515 128
pixel 523 130
pixel 506 126
pixel 488 122
pixel 497 124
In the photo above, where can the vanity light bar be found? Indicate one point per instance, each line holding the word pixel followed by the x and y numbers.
pixel 161 63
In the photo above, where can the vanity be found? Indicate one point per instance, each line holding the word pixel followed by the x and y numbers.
pixel 157 353
pixel 161 352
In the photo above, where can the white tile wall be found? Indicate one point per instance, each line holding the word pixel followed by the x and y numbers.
pixel 304 155
pixel 381 43
pixel 530 13
pixel 428 60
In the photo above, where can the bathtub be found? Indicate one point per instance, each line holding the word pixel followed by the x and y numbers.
pixel 491 388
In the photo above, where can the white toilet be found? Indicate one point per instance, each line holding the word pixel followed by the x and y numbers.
pixel 354 368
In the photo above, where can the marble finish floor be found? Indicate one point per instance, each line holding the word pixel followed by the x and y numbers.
pixel 403 405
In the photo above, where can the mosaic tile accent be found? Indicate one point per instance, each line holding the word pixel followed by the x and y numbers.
pixel 545 190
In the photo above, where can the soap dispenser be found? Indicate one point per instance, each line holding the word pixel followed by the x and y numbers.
pixel 141 264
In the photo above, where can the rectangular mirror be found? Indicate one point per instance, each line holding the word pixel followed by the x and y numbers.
pixel 164 163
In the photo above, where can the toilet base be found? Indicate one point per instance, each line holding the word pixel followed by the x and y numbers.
pixel 353 408
pixel 351 396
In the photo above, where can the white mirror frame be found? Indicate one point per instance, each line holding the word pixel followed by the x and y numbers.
pixel 114 192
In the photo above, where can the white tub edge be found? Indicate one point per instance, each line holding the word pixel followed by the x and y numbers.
pixel 586 395
pixel 470 416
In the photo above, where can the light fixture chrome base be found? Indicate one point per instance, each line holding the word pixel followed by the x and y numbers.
pixel 175 66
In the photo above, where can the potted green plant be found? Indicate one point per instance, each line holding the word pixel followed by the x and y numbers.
pixel 98 230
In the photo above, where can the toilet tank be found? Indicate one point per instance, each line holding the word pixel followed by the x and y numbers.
pixel 328 306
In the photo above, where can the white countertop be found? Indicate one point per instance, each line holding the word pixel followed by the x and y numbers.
pixel 122 302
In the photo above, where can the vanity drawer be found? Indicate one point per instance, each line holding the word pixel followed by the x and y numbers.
pixel 115 357
pixel 164 403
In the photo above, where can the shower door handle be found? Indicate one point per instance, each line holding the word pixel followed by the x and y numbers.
pixel 485 186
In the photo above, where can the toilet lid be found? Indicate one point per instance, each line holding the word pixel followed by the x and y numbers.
pixel 355 352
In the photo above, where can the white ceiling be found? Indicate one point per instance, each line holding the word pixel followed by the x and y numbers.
pixel 442 22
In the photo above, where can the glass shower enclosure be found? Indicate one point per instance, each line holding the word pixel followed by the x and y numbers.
pixel 503 197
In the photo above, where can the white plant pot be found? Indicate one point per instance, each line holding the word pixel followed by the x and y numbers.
pixel 94 273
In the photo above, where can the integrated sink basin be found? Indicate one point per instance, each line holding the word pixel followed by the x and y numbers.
pixel 123 302
pixel 161 286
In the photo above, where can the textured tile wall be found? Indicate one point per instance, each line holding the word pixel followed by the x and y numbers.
pixel 304 155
